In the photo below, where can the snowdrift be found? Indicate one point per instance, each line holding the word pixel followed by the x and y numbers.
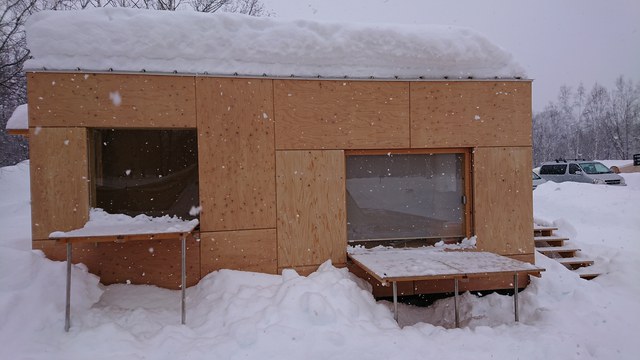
pixel 330 313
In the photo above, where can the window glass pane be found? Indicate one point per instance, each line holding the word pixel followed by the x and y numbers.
pixel 405 196
pixel 152 172
pixel 553 169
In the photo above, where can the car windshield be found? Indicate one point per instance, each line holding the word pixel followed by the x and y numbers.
pixel 594 168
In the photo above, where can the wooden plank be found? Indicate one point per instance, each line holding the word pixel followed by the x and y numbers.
pixel 236 154
pixel 503 204
pixel 249 250
pixel 487 283
pixel 470 114
pixel 311 207
pixel 20 132
pixel 314 114
pixel 111 100
pixel 59 180
pixel 153 262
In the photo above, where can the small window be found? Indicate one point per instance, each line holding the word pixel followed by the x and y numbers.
pixel 573 168
pixel 151 172
pixel 555 169
pixel 405 199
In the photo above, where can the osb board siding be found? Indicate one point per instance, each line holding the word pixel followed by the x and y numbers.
pixel 236 154
pixel 59 180
pixel 470 114
pixel 155 262
pixel 503 200
pixel 341 114
pixel 248 250
pixel 311 207
pixel 111 100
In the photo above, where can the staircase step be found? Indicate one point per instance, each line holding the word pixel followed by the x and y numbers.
pixel 549 240
pixel 560 250
pixel 589 276
pixel 543 230
pixel 574 262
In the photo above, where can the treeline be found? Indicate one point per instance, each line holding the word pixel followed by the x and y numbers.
pixel 599 124
pixel 14 52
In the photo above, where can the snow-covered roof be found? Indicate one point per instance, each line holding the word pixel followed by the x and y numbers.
pixel 121 39
pixel 19 120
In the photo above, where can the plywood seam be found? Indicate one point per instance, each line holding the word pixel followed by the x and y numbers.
pixel 409 115
pixel 275 168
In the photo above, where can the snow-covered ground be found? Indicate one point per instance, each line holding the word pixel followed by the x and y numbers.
pixel 328 315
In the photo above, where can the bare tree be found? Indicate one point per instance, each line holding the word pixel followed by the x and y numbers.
pixel 13 51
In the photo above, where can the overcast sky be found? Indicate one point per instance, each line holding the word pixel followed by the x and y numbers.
pixel 557 41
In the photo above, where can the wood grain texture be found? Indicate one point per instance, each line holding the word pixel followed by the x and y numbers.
pixel 470 114
pixel 248 250
pixel 152 262
pixel 503 200
pixel 236 154
pixel 311 207
pixel 59 180
pixel 111 100
pixel 341 114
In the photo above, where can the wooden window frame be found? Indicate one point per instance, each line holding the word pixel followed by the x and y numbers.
pixel 467 168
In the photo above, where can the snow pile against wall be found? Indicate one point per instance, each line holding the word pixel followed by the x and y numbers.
pixel 19 120
pixel 329 314
pixel 191 42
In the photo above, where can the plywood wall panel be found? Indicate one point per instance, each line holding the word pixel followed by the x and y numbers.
pixel 153 262
pixel 236 154
pixel 311 207
pixel 503 200
pixel 470 114
pixel 341 114
pixel 59 180
pixel 111 100
pixel 248 250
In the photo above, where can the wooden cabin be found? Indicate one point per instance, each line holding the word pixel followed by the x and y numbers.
pixel 285 172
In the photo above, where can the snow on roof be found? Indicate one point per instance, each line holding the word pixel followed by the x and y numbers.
pixel 102 223
pixel 121 39
pixel 19 120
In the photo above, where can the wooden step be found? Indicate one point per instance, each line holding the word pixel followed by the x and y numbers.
pixel 589 276
pixel 540 241
pixel 574 262
pixel 543 230
pixel 564 251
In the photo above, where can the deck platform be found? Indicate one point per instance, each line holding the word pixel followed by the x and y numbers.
pixel 390 266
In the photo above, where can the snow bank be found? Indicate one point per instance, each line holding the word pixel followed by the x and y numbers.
pixel 222 43
pixel 102 223
pixel 330 314
pixel 19 120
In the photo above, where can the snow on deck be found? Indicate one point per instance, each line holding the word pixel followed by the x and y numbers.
pixel 102 223
pixel 19 120
pixel 389 265
pixel 122 39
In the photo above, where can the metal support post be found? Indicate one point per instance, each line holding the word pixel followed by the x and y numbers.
pixel 67 310
pixel 455 301
pixel 184 277
pixel 395 301
pixel 515 296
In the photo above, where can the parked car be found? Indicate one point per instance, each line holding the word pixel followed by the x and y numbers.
pixel 537 180
pixel 584 171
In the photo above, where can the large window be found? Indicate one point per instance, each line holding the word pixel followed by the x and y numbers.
pixel 406 199
pixel 152 172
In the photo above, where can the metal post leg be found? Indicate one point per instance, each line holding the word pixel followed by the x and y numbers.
pixel 395 301
pixel 455 301
pixel 183 277
pixel 67 310
pixel 515 296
